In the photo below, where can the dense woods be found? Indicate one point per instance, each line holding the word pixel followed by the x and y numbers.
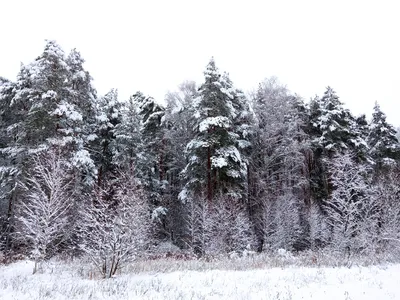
pixel 213 170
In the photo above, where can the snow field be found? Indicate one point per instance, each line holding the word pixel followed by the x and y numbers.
pixel 58 280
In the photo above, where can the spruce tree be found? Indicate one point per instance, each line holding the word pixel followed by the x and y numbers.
pixel 333 131
pixel 333 124
pixel 151 166
pixel 382 141
pixel 126 146
pixel 9 162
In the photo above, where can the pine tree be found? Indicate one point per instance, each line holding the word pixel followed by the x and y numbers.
pixel 127 144
pixel 333 124
pixel 83 100
pixel 39 102
pixel 382 141
pixel 151 165
pixel 43 86
pixel 55 100
pixel 333 131
pixel 152 115
pixel 359 128
pixel 108 117
pixel 9 160
pixel 214 163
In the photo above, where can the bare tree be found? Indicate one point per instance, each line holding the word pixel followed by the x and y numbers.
pixel 43 211
pixel 318 228
pixel 277 173
pixel 284 228
pixel 351 208
pixel 114 230
pixel 387 196
pixel 196 215
pixel 220 228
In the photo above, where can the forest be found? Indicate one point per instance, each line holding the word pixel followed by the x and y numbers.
pixel 214 170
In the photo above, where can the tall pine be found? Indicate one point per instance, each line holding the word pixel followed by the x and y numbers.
pixel 214 162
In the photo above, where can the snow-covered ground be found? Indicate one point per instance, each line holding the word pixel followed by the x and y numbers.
pixel 70 281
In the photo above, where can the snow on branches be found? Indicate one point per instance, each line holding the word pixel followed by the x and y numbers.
pixel 44 210
pixel 114 229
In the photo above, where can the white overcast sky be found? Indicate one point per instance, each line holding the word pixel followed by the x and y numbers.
pixel 152 46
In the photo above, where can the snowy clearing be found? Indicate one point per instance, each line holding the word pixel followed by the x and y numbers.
pixel 69 281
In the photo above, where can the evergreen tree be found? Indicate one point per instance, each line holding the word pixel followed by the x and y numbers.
pixel 55 100
pixel 333 131
pixel 333 124
pixel 45 105
pixel 83 99
pixel 398 133
pixel 127 144
pixel 43 85
pixel 9 163
pixel 152 165
pixel 359 128
pixel 108 117
pixel 214 163
pixel 382 141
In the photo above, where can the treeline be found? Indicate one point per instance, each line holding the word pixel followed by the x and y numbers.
pixel 213 171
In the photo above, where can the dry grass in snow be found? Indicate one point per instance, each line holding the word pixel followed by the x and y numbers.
pixel 61 280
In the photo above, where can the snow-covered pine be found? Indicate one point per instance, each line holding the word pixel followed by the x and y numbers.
pixel 332 130
pixel 82 98
pixel 360 130
pixel 108 116
pixel 151 167
pixel 383 145
pixel 333 123
pixel 207 151
pixel 55 106
pixel 10 159
pixel 44 115
pixel 127 144
pixel 42 84
pixel 215 163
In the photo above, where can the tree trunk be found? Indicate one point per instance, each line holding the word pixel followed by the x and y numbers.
pixel 209 179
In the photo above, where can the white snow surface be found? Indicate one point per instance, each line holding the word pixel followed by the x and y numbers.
pixel 210 122
pixel 71 282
